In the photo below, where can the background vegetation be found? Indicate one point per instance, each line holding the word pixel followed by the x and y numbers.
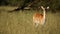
pixel 53 4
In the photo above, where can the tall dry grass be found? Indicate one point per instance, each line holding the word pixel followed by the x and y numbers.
pixel 21 22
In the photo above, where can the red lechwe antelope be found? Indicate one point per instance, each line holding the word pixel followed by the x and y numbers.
pixel 39 18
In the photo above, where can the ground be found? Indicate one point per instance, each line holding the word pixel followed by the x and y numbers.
pixel 21 22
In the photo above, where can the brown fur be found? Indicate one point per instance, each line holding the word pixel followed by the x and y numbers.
pixel 38 19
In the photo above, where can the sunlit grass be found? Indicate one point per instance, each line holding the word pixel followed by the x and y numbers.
pixel 21 22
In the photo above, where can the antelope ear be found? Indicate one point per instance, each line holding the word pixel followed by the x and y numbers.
pixel 42 7
pixel 48 7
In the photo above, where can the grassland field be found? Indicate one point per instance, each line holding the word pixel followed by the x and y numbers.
pixel 21 22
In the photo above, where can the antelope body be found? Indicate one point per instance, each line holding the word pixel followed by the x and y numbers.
pixel 39 18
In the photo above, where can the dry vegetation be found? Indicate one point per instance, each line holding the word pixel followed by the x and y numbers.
pixel 21 22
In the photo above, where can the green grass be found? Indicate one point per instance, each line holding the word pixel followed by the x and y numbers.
pixel 21 22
